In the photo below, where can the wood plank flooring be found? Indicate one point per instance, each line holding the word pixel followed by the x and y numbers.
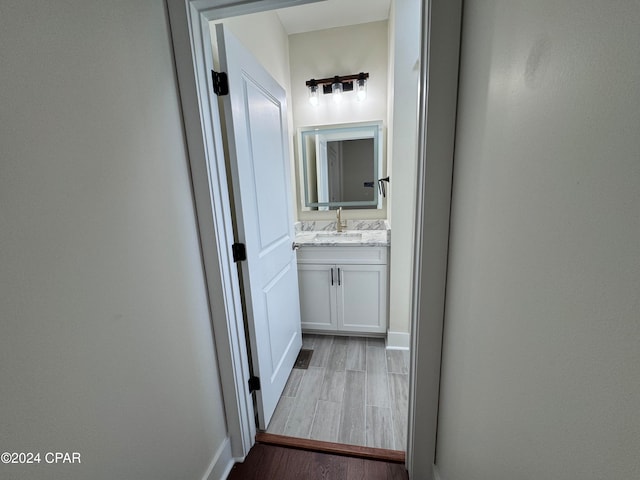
pixel 282 463
pixel 370 453
pixel 354 392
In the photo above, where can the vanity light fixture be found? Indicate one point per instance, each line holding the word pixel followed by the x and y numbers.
pixel 337 85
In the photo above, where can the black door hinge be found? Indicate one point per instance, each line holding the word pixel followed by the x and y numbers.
pixel 220 83
pixel 239 252
pixel 254 384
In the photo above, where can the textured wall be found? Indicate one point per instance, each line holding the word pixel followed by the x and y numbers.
pixel 105 344
pixel 542 333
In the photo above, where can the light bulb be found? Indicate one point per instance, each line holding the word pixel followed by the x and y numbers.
pixel 361 87
pixel 336 90
pixel 313 95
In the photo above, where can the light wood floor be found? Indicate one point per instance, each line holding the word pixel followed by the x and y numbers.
pixel 354 392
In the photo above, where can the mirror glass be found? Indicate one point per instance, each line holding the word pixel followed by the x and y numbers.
pixel 341 165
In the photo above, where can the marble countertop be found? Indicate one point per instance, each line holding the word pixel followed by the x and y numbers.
pixel 358 233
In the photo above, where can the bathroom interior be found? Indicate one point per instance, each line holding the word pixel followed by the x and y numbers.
pixel 353 171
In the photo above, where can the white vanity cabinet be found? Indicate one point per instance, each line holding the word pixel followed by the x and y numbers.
pixel 343 289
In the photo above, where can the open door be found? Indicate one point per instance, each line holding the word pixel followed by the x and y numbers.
pixel 256 119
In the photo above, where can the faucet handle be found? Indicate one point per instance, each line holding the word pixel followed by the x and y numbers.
pixel 339 224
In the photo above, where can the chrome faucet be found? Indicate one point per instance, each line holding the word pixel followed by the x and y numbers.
pixel 339 225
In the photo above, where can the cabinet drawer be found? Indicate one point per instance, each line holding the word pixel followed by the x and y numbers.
pixel 343 255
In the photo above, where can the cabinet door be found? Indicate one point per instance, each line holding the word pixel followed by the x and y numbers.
pixel 317 296
pixel 362 298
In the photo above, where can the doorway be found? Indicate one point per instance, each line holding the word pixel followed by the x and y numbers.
pixel 286 55
pixel 437 111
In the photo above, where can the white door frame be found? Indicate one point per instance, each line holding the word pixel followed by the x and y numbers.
pixel 437 108
pixel 189 24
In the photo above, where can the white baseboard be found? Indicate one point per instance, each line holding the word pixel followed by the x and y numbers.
pixel 221 464
pixel 398 340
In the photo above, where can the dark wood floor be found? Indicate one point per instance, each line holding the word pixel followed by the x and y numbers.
pixel 266 462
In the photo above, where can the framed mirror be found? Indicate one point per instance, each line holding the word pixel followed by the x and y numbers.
pixel 341 165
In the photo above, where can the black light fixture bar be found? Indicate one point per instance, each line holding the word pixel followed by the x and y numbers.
pixel 346 81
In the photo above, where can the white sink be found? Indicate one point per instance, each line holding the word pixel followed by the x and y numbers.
pixel 338 236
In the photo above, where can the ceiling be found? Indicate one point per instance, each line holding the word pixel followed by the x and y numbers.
pixel 332 13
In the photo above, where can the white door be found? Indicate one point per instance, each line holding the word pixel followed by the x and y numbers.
pixel 255 114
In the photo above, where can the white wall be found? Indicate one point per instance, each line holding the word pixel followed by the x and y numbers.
pixel 106 346
pixel 264 36
pixel 404 52
pixel 542 332
pixel 340 51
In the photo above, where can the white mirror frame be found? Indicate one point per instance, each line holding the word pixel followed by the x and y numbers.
pixel 338 132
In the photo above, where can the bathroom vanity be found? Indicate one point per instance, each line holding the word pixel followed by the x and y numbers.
pixel 343 271
pixel 343 280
